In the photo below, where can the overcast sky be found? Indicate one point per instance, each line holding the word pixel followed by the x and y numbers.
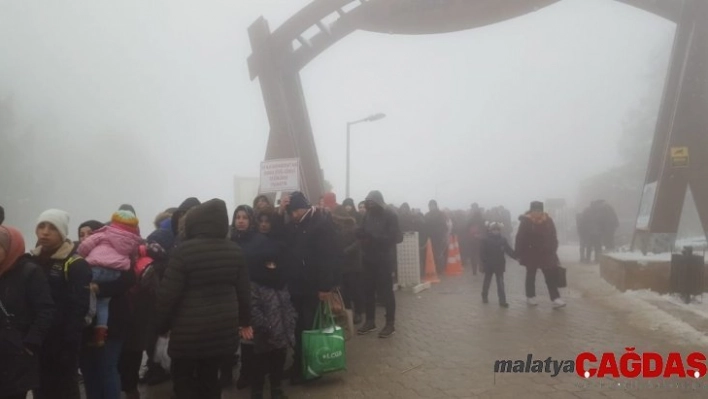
pixel 503 114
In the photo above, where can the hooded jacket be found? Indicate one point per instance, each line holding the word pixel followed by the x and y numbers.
pixel 379 233
pixel 536 241
pixel 205 293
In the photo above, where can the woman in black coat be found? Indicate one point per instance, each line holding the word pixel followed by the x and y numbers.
pixel 203 302
pixel 26 312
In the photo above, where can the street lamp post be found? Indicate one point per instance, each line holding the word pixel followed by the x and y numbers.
pixel 371 118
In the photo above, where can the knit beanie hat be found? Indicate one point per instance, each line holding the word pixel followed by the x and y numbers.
pixel 58 218
pixel 127 207
pixel 125 220
pixel 298 201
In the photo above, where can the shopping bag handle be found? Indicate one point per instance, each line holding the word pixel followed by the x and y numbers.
pixel 324 315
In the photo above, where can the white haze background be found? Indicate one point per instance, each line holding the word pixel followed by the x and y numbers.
pixel 505 114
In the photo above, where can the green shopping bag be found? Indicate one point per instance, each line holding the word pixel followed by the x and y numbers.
pixel 323 349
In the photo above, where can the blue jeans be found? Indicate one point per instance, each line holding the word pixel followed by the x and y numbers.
pixel 102 275
pixel 99 367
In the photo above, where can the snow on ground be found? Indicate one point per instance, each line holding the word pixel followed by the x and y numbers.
pixel 639 312
pixel 640 257
pixel 698 307
pixel 698 243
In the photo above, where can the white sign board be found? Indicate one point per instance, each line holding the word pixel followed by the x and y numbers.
pixel 646 206
pixel 280 175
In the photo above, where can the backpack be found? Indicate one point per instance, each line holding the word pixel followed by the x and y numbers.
pixel 145 275
pixel 88 319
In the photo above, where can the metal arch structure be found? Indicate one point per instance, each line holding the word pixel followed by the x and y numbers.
pixel 279 56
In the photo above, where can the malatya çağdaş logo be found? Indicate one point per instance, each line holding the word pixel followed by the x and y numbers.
pixel 628 365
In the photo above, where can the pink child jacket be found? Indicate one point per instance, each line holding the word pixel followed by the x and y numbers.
pixel 110 247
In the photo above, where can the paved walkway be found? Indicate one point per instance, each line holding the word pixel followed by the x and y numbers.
pixel 447 342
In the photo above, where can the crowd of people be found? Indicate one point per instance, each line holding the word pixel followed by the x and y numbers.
pixel 224 291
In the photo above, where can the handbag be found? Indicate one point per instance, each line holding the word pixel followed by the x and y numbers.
pixel 560 275
pixel 323 348
pixel 335 301
pixel 343 317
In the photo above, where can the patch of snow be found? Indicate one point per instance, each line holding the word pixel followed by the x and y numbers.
pixel 643 314
pixel 640 257
pixel 695 242
pixel 698 307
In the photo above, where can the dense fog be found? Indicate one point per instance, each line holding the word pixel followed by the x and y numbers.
pixel 150 102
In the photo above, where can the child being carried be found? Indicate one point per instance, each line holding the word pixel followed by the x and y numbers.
pixel 109 251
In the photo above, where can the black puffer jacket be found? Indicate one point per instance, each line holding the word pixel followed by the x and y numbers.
pixel 25 293
pixel 205 293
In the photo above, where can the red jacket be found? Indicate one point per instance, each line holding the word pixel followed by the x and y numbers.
pixel 537 242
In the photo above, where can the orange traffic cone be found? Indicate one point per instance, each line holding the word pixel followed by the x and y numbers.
pixel 431 276
pixel 454 260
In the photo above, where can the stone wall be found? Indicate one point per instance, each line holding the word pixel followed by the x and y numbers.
pixel 631 275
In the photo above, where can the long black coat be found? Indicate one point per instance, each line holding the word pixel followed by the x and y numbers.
pixel 313 256
pixel 25 293
pixel 205 294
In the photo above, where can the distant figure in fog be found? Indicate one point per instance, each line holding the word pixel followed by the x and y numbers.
pixel 592 223
pixel 436 227
pixel 583 239
pixel 476 227
pixel 609 223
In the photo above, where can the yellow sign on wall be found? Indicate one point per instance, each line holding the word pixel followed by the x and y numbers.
pixel 679 157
